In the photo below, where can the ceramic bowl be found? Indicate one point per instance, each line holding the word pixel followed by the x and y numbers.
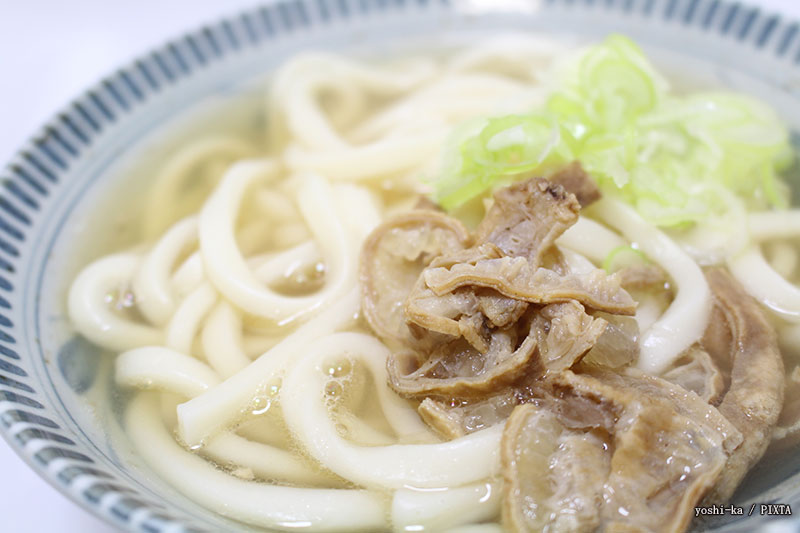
pixel 48 412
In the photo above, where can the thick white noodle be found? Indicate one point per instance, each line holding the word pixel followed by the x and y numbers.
pixel 222 405
pixel 263 428
pixel 291 234
pixel 783 258
pixel 222 340
pixel 160 368
pixel 267 462
pixel 359 210
pixel 281 508
pixel 185 323
pixel 447 101
pixel 590 239
pixel 456 462
pixel 650 307
pixel 272 268
pixel 404 136
pixel 189 275
pixel 440 509
pixel 277 205
pixel 518 54
pixel 377 159
pixel 774 224
pixel 89 311
pixel 227 268
pixel 298 86
pixel 151 285
pixel 358 430
pixel 170 184
pixel 761 281
pixel 255 345
pixel 685 320
pixel 401 416
pixel 252 236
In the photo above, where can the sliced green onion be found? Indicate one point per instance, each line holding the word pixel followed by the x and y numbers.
pixel 614 113
pixel 623 256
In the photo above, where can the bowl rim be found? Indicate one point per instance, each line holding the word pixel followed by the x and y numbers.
pixel 37 166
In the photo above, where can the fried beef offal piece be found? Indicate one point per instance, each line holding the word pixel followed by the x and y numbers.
pixel 526 218
pixel 497 327
pixel 744 347
pixel 392 259
pixel 575 180
pixel 611 452
pixel 515 278
pixel 506 306
pixel 551 339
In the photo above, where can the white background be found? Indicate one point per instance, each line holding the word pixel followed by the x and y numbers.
pixel 49 52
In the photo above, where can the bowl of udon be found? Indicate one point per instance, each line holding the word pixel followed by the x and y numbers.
pixel 418 266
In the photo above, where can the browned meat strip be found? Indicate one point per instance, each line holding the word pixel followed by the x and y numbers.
pixel 507 306
pixel 555 338
pixel 458 417
pixel 611 452
pixel 646 276
pixel 575 180
pixel 513 277
pixel 499 310
pixel 527 218
pixel 442 418
pixel 535 444
pixel 393 257
pixel 744 346
pixel 456 369
pixel 565 332
pixel 440 314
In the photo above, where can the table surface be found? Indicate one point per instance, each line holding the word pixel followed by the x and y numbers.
pixel 59 49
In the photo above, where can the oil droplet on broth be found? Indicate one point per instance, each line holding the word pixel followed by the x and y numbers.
pixel 261 405
pixel 333 389
pixel 265 396
pixel 128 299
pixel 339 369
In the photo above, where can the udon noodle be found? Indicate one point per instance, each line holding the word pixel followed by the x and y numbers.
pixel 264 394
